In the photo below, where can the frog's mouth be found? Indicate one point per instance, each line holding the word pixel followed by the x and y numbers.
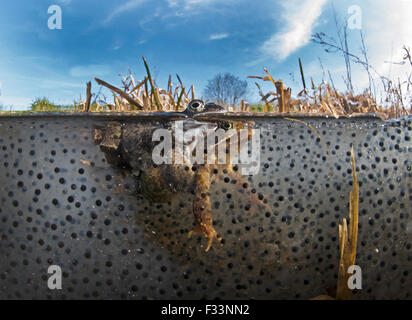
pixel 213 108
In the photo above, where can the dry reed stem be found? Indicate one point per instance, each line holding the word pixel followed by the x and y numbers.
pixel 89 96
pixel 154 93
pixel 119 92
pixel 325 99
pixel 348 241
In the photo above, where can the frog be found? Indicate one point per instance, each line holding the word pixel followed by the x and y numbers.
pixel 130 145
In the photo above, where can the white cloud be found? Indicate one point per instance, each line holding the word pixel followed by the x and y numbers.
pixel 219 36
pixel 189 4
pixel 197 2
pixel 65 2
pixel 299 18
pixel 385 35
pixel 173 3
pixel 91 70
pixel 131 4
pixel 48 83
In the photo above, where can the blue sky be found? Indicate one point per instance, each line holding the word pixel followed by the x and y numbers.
pixel 194 38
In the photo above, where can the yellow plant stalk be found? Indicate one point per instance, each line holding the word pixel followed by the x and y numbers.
pixel 348 242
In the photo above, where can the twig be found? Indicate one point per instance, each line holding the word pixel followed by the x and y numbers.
pixel 88 96
pixel 180 98
pixel 119 92
pixel 264 98
pixel 302 75
pixel 154 93
pixel 348 242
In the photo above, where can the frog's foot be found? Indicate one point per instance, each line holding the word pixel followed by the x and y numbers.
pixel 208 231
pixel 195 230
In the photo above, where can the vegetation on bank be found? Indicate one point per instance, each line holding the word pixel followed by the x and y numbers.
pixel 393 101
pixel 43 104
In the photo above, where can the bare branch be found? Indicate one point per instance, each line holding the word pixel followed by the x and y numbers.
pixel 119 92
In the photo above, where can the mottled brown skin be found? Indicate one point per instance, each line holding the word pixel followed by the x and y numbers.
pixel 132 147
pixel 202 209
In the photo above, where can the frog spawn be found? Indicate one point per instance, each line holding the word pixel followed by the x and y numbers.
pixel 62 204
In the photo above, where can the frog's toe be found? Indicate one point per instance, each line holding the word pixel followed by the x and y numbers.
pixel 208 232
pixel 195 230
pixel 211 234
pixel 209 244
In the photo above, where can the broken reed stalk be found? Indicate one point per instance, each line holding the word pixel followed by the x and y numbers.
pixel 147 103
pixel 180 80
pixel 282 94
pixel 139 85
pixel 302 75
pixel 267 105
pixel 169 83
pixel 179 100
pixel 348 242
pixel 120 93
pixel 324 99
pixel 154 93
pixel 193 92
pixel 116 102
pixel 280 90
pixel 89 96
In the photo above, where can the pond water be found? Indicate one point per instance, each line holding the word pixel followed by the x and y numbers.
pixel 67 200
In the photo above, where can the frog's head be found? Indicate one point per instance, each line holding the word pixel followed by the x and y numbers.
pixel 199 107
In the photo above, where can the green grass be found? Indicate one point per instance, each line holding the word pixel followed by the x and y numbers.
pixel 43 104
pixel 259 108
pixel 38 105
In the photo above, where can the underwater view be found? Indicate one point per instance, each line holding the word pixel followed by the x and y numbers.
pixel 232 182
pixel 83 193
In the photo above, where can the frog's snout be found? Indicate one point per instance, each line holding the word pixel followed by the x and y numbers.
pixel 199 107
pixel 214 108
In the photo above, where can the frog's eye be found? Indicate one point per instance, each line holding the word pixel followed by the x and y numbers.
pixel 197 105
pixel 227 126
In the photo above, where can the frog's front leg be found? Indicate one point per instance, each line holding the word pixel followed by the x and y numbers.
pixel 202 207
